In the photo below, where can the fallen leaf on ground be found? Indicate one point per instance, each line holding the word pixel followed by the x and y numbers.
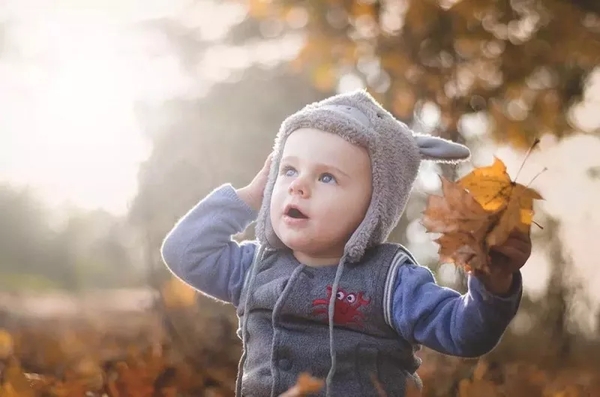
pixel 306 384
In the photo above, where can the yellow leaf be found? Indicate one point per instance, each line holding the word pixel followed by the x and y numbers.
pixel 518 214
pixel 15 382
pixel 6 344
pixel 489 185
pixel 473 221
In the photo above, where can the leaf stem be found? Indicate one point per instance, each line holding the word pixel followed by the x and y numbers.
pixel 533 145
pixel 538 174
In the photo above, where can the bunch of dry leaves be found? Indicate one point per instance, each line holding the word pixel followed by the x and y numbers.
pixel 478 212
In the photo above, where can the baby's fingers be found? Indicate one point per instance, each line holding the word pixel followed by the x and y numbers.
pixel 521 245
pixel 516 253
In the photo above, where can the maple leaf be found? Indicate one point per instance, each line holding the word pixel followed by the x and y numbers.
pixel 463 223
pixel 493 189
pixel 455 212
pixel 476 213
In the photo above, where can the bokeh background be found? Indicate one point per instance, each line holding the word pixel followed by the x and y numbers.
pixel 116 117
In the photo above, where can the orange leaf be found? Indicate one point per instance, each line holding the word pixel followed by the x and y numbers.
pixel 464 224
pixel 306 384
pixel 478 212
pixel 456 211
pixel 518 214
pixel 6 344
pixel 492 187
pixel 15 382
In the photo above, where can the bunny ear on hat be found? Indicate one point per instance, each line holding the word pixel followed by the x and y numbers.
pixel 441 150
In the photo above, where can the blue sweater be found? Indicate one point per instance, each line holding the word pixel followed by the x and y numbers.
pixel 200 251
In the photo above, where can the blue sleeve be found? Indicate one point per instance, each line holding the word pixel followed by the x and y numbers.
pixel 440 318
pixel 200 251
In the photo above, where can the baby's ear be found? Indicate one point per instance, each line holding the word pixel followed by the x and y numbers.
pixel 441 150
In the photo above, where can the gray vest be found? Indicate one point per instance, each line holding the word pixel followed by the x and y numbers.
pixel 287 327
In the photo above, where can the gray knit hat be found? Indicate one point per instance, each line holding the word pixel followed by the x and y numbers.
pixel 395 152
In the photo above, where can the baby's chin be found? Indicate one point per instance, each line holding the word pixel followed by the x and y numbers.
pixel 296 241
pixel 306 245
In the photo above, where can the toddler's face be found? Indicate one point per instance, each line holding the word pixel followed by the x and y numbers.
pixel 321 194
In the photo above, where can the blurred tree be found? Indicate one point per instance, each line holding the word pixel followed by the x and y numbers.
pixel 223 137
pixel 93 250
pixel 522 62
pixel 24 234
pixel 96 250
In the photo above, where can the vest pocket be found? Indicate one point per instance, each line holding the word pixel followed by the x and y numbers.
pixel 367 369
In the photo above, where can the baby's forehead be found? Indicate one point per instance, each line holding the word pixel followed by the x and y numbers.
pixel 318 137
pixel 316 147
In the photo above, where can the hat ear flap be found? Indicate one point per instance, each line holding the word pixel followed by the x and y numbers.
pixel 441 150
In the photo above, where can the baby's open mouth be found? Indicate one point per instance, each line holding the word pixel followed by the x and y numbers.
pixel 295 213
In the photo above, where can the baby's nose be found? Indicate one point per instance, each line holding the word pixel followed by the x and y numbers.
pixel 299 187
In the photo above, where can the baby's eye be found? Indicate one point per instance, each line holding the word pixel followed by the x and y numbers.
pixel 327 178
pixel 288 171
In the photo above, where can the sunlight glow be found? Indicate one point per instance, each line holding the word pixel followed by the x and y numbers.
pixel 71 74
pixel 73 137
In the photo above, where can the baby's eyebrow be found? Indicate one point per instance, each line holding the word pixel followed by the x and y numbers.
pixel 292 159
pixel 335 169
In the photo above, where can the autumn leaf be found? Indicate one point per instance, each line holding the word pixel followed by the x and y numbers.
pixel 6 344
pixel 15 383
pixel 489 186
pixel 463 223
pixel 462 249
pixel 306 384
pixel 477 388
pixel 455 212
pixel 477 213
pixel 493 189
pixel 518 214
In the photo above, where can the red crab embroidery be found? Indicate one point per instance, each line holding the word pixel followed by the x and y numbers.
pixel 346 309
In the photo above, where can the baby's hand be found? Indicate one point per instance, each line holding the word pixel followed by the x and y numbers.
pixel 252 194
pixel 506 259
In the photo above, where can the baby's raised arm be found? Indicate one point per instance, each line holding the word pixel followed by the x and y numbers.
pixel 200 249
pixel 440 318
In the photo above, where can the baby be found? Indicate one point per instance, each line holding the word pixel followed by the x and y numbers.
pixel 321 291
